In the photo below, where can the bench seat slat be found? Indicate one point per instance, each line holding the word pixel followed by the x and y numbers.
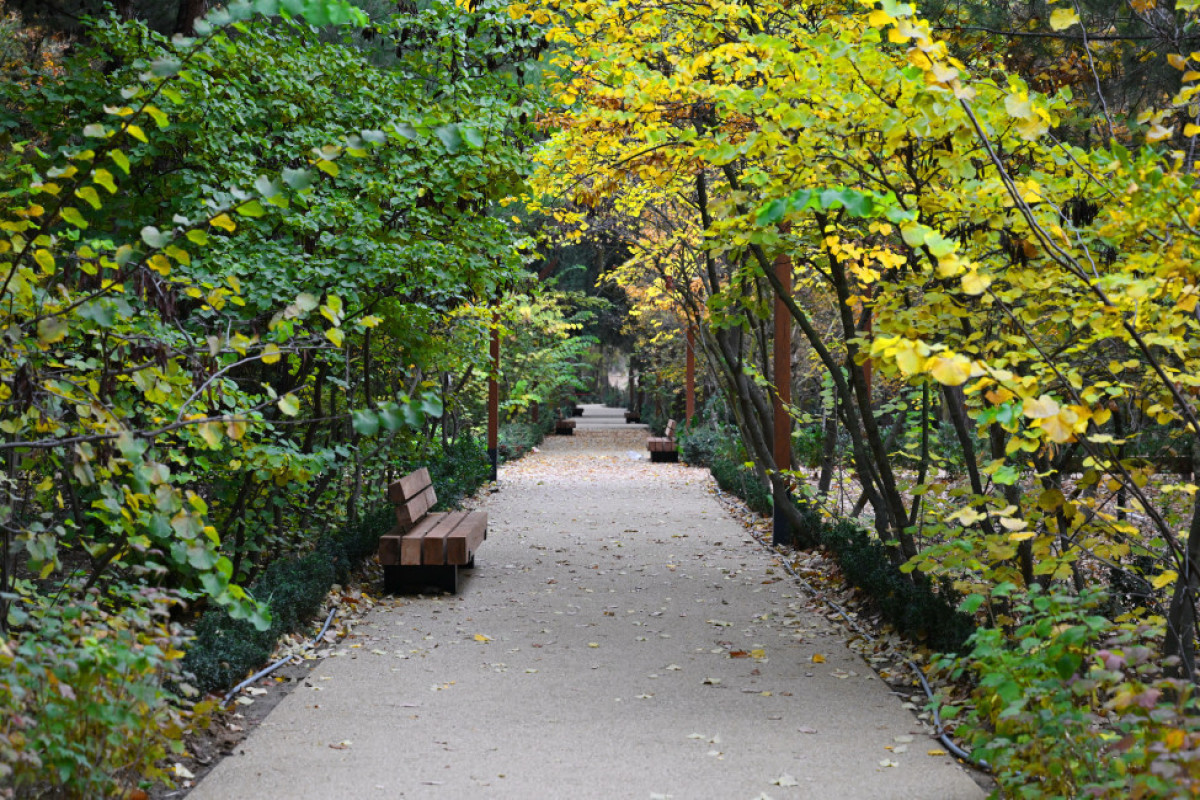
pixel 466 538
pixel 411 543
pixel 433 544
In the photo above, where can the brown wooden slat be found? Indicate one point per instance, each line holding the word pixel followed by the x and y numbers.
pixel 433 546
pixel 410 513
pixel 466 538
pixel 389 547
pixel 409 486
pixel 410 545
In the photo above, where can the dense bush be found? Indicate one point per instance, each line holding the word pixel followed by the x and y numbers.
pixel 906 601
pixel 738 479
pixel 699 445
pixel 83 708
pixel 1071 704
pixel 518 438
pixel 457 468
pixel 226 649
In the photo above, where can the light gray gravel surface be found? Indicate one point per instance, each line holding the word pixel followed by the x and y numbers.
pixel 621 637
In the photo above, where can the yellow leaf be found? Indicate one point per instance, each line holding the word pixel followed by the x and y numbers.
pixel 1060 428
pixel 1022 536
pixel 1158 132
pixel 1191 129
pixel 479 637
pixel 1042 407
pixel 270 354
pixel 1012 523
pixel 159 263
pixel 951 370
pixel 45 260
pixel 975 283
pixel 1063 18
pixel 1164 579
pixel 878 18
pixel 51 330
pixel 1177 61
pixel 936 752
pixel 225 222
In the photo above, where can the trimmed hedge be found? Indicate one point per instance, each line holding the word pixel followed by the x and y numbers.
pixel 225 649
pixel 906 601
pixel 739 480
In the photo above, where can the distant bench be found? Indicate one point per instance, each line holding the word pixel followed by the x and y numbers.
pixel 564 427
pixel 427 548
pixel 633 416
pixel 664 448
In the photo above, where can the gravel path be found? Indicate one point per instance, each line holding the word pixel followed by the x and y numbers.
pixel 622 637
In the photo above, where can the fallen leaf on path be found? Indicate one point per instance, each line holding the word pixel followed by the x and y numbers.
pixel 674 667
pixel 818 658
pixel 479 637
pixel 183 772
pixel 343 745
pixel 711 681
pixel 887 762
pixel 937 753
pixel 785 780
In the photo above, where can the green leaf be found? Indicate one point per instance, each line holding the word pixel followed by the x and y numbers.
pixel 289 404
pixel 472 137
pixel 165 67
pixel 252 208
pixel 365 422
pixel 155 238
pixel 450 136
pixel 71 214
pixel 120 159
pixel 51 330
pixel 298 179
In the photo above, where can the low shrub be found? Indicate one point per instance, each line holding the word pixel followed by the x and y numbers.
pixel 699 445
pixel 738 479
pixel 225 649
pixel 1072 704
pixel 458 470
pixel 518 438
pixel 84 711
pixel 908 602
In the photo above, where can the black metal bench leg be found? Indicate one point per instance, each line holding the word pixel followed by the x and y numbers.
pixel 408 580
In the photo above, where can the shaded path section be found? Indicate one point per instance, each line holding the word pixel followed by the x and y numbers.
pixel 622 637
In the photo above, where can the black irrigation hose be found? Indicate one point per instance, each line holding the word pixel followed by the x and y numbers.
pixel 262 673
pixel 939 730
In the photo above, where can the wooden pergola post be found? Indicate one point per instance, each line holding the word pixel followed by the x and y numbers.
pixel 782 428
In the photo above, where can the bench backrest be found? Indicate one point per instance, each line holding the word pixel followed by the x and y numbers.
pixel 670 432
pixel 412 496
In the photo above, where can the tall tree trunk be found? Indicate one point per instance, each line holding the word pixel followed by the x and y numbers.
pixel 185 18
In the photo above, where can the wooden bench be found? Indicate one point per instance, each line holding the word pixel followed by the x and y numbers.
pixel 576 411
pixel 427 548
pixel 633 416
pixel 663 448
pixel 564 427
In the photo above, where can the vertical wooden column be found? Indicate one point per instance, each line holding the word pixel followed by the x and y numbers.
pixel 493 408
pixel 690 393
pixel 782 439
